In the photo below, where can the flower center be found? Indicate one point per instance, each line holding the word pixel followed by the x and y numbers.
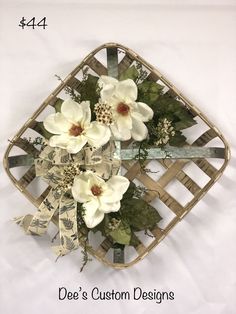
pixel 96 190
pixel 123 109
pixel 75 130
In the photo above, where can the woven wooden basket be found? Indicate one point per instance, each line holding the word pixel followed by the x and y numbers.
pixel 112 59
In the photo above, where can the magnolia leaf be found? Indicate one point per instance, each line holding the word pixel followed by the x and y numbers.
pixel 166 104
pixel 121 234
pixel 131 73
pixel 102 226
pixel 58 104
pixel 88 90
pixel 134 241
pixel 183 124
pixel 149 92
pixel 174 110
pixel 130 192
pixel 177 140
pixel 39 127
pixel 139 214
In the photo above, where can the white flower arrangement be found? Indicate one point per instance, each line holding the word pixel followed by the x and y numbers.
pixel 72 129
pixel 98 197
pixel 77 158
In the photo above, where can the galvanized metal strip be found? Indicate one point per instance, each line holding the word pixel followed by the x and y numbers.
pixel 112 62
pixel 176 153
pixel 112 69
pixel 20 160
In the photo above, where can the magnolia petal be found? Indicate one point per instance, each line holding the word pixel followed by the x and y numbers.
pixel 124 122
pixel 95 180
pixel 105 80
pixel 107 92
pixel 56 123
pixel 127 90
pixel 75 144
pixel 107 85
pixel 139 130
pixel 72 110
pixel 81 189
pixel 109 207
pixel 97 134
pixel 136 115
pixel 92 216
pixel 85 105
pixel 122 135
pixel 145 111
pixel 108 195
pixel 119 185
pixel 83 183
pixel 59 141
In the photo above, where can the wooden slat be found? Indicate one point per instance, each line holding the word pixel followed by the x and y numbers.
pixel 125 63
pixel 157 232
pixel 153 77
pixel 155 187
pixel 206 167
pixel 43 195
pixel 183 178
pixel 171 172
pixel 205 138
pixel 97 66
pixel 27 178
pixel 104 247
pixel 74 83
pixel 140 247
pixel 26 146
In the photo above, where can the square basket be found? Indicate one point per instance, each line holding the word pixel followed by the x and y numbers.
pixel 175 185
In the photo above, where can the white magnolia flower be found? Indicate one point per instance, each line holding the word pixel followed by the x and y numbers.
pixel 98 197
pixel 73 127
pixel 128 115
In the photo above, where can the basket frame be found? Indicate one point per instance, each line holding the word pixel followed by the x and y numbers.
pixel 133 168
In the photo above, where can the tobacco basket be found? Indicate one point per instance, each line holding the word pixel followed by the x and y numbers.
pixel 183 171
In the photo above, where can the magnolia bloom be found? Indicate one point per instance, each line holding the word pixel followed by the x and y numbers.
pixel 127 114
pixel 98 197
pixel 73 127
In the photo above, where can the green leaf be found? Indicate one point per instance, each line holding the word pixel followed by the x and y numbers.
pixel 58 104
pixel 177 140
pixel 131 73
pixel 134 241
pixel 149 92
pixel 88 90
pixel 130 192
pixel 39 127
pixel 121 234
pixel 184 124
pixel 139 214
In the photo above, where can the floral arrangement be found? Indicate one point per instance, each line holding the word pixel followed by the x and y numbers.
pixel 78 157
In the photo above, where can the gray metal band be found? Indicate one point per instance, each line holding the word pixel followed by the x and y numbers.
pixel 20 160
pixel 176 153
pixel 112 69
pixel 112 62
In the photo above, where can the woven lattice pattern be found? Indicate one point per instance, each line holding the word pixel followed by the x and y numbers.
pixel 113 59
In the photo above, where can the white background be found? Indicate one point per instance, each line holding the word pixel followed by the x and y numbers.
pixel 193 43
